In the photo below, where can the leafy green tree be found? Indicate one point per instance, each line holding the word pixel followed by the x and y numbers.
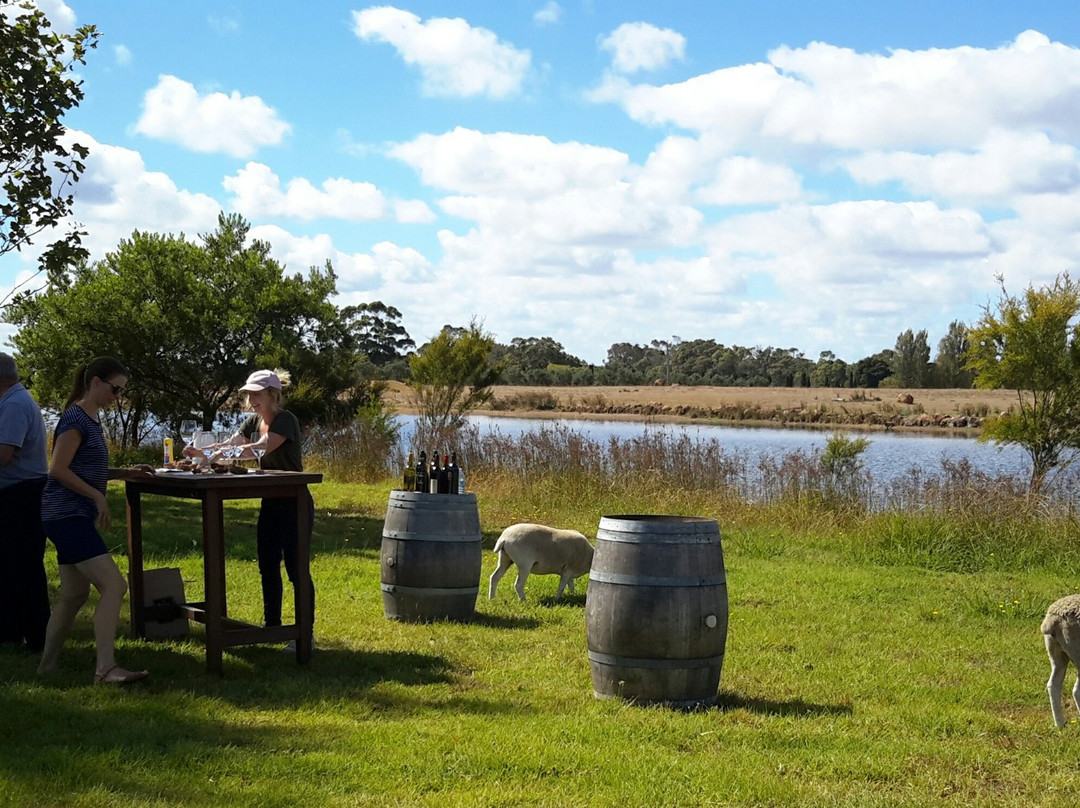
pixel 949 362
pixel 830 371
pixel 450 376
pixel 871 371
pixel 377 331
pixel 1031 344
pixel 912 361
pixel 190 321
pixel 37 168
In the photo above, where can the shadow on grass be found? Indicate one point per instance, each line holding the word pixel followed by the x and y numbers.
pixel 576 601
pixel 501 621
pixel 728 701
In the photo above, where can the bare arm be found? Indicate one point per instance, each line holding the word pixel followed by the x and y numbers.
pixel 7 451
pixel 64 448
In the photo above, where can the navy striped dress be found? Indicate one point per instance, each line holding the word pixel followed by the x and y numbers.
pixel 91 463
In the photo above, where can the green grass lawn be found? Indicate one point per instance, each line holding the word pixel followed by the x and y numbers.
pixel 845 683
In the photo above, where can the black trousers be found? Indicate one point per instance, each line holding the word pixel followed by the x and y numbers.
pixel 24 588
pixel 276 541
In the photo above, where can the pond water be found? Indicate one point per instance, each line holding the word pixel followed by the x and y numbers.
pixel 890 454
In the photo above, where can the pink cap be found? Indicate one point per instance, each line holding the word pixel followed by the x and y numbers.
pixel 260 380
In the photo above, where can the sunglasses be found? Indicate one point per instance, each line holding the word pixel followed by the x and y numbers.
pixel 117 390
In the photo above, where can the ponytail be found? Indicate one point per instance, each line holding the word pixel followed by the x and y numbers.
pixel 104 367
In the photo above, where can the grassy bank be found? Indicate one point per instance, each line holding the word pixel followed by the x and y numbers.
pixel 872 659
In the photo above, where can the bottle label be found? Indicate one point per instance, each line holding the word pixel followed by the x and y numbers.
pixel 167 450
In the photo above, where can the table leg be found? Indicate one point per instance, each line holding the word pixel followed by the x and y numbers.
pixel 305 617
pixel 213 519
pixel 135 562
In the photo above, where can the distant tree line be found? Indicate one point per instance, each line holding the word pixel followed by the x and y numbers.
pixel 543 361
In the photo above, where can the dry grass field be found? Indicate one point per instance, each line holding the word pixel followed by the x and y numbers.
pixel 823 406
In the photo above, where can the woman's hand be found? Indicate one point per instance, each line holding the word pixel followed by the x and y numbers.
pixel 104 518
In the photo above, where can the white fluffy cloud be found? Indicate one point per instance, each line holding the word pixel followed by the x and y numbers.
pixel 455 58
pixel 238 125
pixel 638 46
pixel 257 193
pixel 823 96
pixel 1005 166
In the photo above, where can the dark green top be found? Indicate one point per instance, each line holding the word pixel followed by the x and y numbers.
pixel 287 456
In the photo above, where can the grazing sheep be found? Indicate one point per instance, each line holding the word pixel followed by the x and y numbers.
pixel 543 550
pixel 1062 629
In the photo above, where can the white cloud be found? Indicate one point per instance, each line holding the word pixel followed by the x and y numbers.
pixel 117 195
pixel 455 58
pixel 548 14
pixel 257 193
pixel 638 46
pixel 237 125
pixel 122 55
pixel 1004 166
pixel 823 96
pixel 59 14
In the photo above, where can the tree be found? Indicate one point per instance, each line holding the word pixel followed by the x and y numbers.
pixel 870 371
pixel 190 321
pixel 37 166
pixel 450 376
pixel 912 361
pixel 949 363
pixel 377 331
pixel 1031 344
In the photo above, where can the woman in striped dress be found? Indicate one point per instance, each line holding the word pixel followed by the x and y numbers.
pixel 74 507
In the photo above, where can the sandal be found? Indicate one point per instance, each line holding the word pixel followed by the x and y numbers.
pixel 118 676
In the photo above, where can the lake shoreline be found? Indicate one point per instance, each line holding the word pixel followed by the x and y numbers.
pixel 940 412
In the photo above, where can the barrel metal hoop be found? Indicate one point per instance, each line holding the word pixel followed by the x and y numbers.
pixel 671 664
pixel 636 538
pixel 423 590
pixel 409 535
pixel 654 580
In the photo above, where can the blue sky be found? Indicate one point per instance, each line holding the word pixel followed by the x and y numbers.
pixel 819 176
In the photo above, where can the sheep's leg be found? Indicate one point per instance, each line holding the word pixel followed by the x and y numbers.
pixel 565 580
pixel 522 577
pixel 1059 664
pixel 505 562
pixel 1076 694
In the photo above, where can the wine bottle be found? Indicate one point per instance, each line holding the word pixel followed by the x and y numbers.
pixel 421 473
pixel 409 480
pixel 460 480
pixel 452 486
pixel 433 473
pixel 444 475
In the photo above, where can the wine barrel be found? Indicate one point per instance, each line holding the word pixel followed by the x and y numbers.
pixel 431 557
pixel 656 613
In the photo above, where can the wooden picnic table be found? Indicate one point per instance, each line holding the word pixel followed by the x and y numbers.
pixel 212 490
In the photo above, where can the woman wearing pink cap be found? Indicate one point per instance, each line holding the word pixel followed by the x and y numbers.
pixel 275 429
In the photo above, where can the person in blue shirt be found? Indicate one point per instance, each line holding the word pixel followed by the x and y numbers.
pixel 74 507
pixel 24 587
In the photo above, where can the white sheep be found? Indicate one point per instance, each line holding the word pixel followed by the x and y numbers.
pixel 1062 629
pixel 543 550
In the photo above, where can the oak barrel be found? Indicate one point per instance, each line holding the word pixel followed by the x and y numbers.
pixel 656 613
pixel 431 557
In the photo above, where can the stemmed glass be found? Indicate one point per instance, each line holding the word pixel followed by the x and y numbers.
pixel 187 431
pixel 203 441
pixel 259 451
pixel 225 447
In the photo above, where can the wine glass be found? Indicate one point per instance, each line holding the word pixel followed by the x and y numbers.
pixel 203 441
pixel 259 450
pixel 226 448
pixel 188 428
